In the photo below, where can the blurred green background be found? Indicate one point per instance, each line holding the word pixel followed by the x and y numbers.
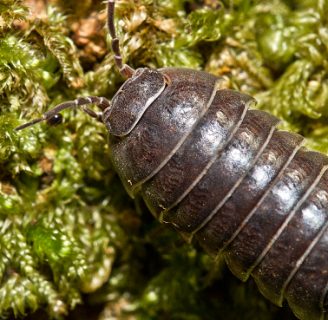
pixel 72 244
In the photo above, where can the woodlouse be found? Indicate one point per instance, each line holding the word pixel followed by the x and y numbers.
pixel 222 174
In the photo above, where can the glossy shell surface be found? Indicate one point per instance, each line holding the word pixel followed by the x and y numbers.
pixel 224 175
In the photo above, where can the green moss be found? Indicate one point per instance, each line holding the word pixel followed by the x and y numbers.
pixel 66 225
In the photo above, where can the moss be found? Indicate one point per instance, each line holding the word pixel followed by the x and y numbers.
pixel 69 235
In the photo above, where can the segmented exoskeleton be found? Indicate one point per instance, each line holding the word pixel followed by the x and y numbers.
pixel 222 174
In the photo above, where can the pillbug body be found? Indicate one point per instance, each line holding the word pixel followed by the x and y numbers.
pixel 221 174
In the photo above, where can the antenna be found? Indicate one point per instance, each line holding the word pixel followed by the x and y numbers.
pixel 125 70
pixel 53 117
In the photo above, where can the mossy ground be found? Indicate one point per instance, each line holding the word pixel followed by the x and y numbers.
pixel 72 244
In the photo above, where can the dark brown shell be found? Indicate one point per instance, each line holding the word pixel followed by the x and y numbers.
pixel 225 176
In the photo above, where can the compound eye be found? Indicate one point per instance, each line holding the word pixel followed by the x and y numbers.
pixel 55 120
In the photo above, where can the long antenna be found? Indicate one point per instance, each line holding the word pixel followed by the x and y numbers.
pixel 53 116
pixel 125 70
